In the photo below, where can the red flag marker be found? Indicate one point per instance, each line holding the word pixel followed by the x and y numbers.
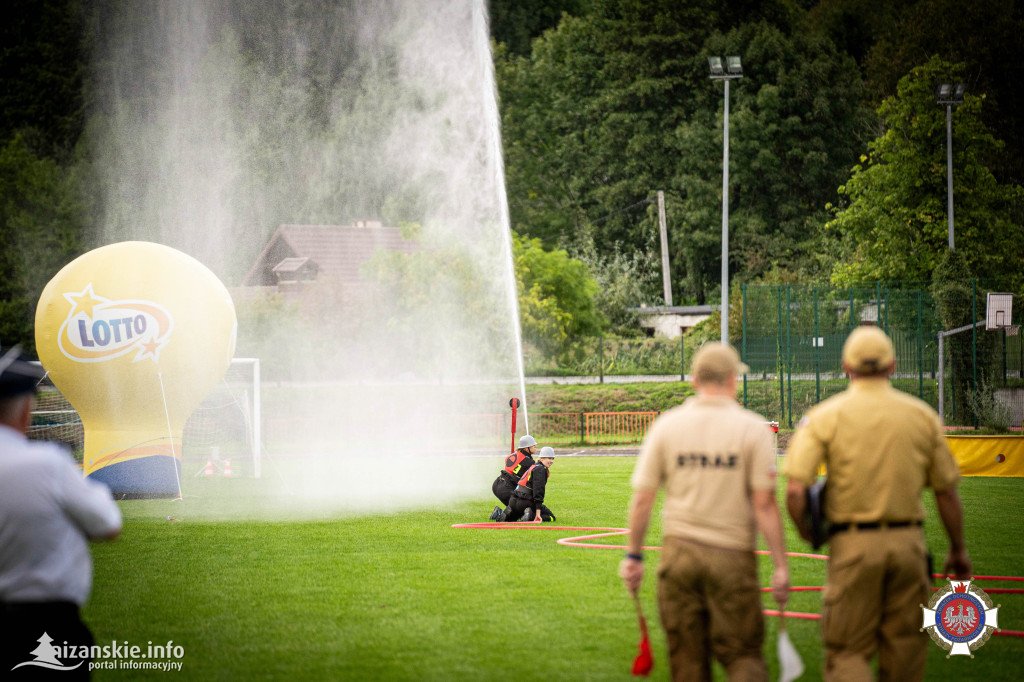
pixel 644 661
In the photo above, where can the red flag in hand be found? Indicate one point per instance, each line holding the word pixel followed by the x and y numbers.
pixel 644 661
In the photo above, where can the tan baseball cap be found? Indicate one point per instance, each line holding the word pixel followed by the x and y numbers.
pixel 868 350
pixel 716 362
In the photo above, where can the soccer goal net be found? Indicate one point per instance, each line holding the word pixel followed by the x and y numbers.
pixel 225 427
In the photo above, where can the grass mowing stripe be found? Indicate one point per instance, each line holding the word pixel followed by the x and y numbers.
pixel 405 597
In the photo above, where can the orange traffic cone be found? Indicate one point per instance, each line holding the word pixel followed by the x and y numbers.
pixel 227 467
pixel 208 471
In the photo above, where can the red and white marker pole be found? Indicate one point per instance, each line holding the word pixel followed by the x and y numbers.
pixel 514 404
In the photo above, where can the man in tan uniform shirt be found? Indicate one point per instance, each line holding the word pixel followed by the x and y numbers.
pixel 881 448
pixel 717 463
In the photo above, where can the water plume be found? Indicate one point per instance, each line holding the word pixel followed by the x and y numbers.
pixel 216 121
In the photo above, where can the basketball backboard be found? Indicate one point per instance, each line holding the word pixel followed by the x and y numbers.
pixel 998 310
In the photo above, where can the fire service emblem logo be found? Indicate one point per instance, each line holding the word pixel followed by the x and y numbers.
pixel 960 618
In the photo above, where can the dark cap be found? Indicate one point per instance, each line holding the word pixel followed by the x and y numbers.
pixel 17 375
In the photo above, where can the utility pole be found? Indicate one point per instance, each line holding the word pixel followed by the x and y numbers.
pixel 666 278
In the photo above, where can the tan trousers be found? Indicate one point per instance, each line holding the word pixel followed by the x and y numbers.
pixel 877 581
pixel 710 605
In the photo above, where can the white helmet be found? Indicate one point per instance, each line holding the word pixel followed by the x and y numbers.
pixel 547 451
pixel 527 442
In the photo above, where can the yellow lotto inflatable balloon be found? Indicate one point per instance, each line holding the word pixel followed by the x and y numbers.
pixel 135 335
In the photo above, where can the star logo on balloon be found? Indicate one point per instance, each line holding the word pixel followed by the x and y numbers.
pixel 98 329
pixel 83 302
pixel 960 618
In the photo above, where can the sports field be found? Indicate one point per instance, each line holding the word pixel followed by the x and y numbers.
pixel 404 596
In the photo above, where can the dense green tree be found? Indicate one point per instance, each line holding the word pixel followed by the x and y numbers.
pixel 892 223
pixel 856 25
pixel 556 294
pixel 41 200
pixel 442 287
pixel 515 23
pixel 586 119
pixel 624 282
pixel 987 38
pixel 796 119
pixel 430 310
pixel 603 102
pixel 40 226
pixel 890 37
pixel 41 71
pixel 612 107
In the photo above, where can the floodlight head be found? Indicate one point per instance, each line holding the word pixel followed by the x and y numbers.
pixel 715 64
pixel 733 66
pixel 949 93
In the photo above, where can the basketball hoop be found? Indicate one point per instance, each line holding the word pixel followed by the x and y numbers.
pixel 998 311
pixel 1012 329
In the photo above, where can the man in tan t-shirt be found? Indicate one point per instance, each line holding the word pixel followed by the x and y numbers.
pixel 717 463
pixel 881 448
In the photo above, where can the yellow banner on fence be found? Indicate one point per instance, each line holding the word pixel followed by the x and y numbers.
pixel 988 455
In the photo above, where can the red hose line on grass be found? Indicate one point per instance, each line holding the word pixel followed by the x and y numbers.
pixel 578 541
pixel 991 590
pixel 794 614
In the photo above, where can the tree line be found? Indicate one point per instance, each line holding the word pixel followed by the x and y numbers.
pixel 837 147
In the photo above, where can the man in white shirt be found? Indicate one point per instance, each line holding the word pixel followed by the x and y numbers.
pixel 48 513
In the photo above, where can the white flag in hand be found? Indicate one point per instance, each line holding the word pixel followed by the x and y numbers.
pixel 791 666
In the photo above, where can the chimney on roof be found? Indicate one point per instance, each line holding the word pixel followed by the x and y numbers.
pixel 367 223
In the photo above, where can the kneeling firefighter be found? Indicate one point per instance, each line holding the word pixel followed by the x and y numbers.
pixel 527 503
pixel 515 464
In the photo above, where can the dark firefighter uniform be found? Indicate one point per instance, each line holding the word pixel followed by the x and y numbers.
pixel 528 496
pixel 515 464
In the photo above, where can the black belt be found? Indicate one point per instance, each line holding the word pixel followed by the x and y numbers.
pixel 871 525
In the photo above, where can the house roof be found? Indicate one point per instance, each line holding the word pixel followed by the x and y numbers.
pixel 293 264
pixel 337 250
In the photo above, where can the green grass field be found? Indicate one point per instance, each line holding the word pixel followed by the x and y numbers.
pixel 404 596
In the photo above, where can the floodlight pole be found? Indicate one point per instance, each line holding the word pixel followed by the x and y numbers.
pixel 949 170
pixel 949 95
pixel 732 70
pixel 725 220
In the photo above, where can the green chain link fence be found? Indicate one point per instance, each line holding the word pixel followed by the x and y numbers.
pixel 792 338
